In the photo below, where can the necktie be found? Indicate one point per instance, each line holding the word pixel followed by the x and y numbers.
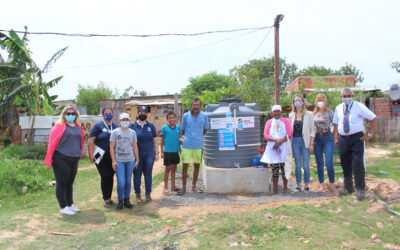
pixel 346 124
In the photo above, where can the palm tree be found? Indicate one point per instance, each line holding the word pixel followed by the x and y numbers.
pixel 22 79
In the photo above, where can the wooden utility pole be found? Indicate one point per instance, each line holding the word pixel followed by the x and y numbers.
pixel 278 19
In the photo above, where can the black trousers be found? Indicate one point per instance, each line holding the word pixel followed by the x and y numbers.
pixel 107 176
pixel 65 169
pixel 351 150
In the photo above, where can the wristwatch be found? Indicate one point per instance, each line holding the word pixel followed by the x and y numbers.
pixel 369 134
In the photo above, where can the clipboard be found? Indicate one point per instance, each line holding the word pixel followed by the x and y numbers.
pixel 98 154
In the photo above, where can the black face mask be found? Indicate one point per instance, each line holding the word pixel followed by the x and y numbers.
pixel 142 117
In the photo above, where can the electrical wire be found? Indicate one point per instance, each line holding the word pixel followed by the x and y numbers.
pixel 137 35
pixel 251 57
pixel 158 56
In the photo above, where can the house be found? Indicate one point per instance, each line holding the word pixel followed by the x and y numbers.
pixel 311 82
pixel 158 106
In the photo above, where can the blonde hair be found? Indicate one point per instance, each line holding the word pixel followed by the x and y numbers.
pixel 61 119
pixel 303 111
pixel 325 100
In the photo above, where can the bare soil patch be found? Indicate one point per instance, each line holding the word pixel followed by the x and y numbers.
pixel 377 152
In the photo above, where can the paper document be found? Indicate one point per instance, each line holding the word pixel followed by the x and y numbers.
pixel 98 154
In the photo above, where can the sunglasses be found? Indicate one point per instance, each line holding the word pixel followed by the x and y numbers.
pixel 70 113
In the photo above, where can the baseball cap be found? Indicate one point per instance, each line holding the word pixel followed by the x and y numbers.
pixel 276 107
pixel 142 108
pixel 124 116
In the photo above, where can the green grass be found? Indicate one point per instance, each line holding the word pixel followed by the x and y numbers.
pixel 325 226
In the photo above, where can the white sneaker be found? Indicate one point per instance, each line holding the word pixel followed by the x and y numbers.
pixel 74 208
pixel 67 211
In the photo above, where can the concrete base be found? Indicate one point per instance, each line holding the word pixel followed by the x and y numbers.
pixel 236 180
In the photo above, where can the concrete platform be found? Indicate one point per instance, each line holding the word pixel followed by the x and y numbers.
pixel 236 180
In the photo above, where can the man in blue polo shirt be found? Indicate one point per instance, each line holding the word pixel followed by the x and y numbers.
pixel 194 126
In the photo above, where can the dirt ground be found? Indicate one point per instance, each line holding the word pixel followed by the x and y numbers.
pixel 178 211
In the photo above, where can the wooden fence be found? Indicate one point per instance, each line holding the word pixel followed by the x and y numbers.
pixel 387 129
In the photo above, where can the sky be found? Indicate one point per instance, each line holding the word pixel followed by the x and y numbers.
pixel 313 32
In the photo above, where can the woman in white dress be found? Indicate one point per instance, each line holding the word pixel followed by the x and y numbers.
pixel 276 131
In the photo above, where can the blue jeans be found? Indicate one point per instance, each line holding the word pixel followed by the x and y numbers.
pixel 124 174
pixel 300 151
pixel 324 144
pixel 145 166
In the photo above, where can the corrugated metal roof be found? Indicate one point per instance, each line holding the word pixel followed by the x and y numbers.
pixel 154 102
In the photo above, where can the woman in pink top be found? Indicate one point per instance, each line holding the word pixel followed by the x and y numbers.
pixel 63 153
pixel 276 131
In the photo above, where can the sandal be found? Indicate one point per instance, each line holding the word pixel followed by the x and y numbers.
pixel 166 193
pixel 180 192
pixel 334 190
pixel 320 189
pixel 298 189
pixel 307 189
pixel 175 189
pixel 197 190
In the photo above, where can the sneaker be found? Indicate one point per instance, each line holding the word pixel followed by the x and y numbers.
pixel 345 192
pixel 74 208
pixel 67 211
pixel 112 202
pixel 360 195
pixel 120 205
pixel 127 203
pixel 107 204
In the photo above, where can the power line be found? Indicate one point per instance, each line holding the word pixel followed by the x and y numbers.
pixel 159 56
pixel 260 43
pixel 138 35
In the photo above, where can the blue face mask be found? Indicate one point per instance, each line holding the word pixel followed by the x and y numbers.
pixel 298 104
pixel 108 117
pixel 70 118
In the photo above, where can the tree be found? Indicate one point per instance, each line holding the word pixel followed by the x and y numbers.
pixel 347 69
pixel 89 96
pixel 22 79
pixel 255 80
pixel 396 66
pixel 131 91
pixel 210 82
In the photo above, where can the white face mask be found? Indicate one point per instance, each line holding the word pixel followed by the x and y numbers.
pixel 321 104
pixel 347 100
pixel 124 124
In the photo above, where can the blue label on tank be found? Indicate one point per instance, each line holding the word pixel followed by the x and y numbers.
pixel 226 139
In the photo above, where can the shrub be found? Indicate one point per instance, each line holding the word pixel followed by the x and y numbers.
pixel 24 152
pixel 21 176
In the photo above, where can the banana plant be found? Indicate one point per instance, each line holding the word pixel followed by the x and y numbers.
pixel 23 78
pixel 37 101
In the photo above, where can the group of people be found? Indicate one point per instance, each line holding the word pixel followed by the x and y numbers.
pixel 306 132
pixel 131 148
pixel 127 149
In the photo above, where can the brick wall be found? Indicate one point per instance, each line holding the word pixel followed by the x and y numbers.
pixel 382 107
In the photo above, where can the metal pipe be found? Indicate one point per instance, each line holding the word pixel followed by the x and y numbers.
pixel 249 145
pixel 234 123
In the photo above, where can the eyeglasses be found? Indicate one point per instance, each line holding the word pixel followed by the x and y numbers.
pixel 347 96
pixel 70 113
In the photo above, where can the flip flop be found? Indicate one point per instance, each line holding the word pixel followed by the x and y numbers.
pixel 180 192
pixel 197 190
pixel 166 193
pixel 176 190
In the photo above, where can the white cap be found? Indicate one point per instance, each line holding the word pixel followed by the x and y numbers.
pixel 276 107
pixel 123 116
